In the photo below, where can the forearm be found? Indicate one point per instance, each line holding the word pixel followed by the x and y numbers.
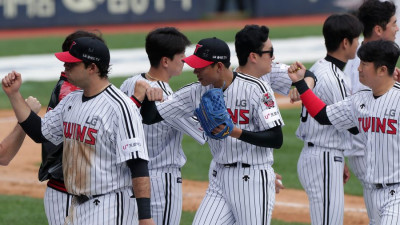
pixel 20 107
pixel 11 144
pixel 141 186
pixel 33 127
pixel 315 106
pixel 272 138
pixel 149 112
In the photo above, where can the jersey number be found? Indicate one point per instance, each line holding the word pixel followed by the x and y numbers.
pixel 303 114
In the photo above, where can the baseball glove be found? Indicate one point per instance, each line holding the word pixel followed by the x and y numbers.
pixel 212 112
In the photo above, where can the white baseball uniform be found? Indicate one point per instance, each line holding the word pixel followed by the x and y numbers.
pixel 243 188
pixel 321 163
pixel 166 157
pixel 377 119
pixel 100 134
pixel 278 78
pixel 357 161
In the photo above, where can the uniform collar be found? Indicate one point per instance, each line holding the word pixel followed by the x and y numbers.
pixel 339 64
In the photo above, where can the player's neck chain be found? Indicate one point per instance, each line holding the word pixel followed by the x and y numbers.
pixel 151 78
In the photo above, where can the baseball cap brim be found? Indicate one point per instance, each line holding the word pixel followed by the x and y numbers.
pixel 66 57
pixel 196 62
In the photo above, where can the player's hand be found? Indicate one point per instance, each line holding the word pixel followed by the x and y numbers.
pixel 11 83
pixel 154 94
pixel 146 222
pixel 34 104
pixel 278 183
pixel 140 89
pixel 346 174
pixel 296 71
pixel 396 74
pixel 294 95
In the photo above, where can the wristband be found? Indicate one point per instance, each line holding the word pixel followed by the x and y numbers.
pixel 136 101
pixel 144 211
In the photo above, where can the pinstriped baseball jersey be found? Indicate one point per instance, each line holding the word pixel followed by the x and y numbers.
pixel 252 106
pixel 330 89
pixel 351 72
pixel 99 134
pixel 164 139
pixel 278 78
pixel 378 121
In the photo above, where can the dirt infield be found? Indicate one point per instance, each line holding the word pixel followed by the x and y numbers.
pixel 20 178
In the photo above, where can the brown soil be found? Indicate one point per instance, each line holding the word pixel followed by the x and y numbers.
pixel 20 178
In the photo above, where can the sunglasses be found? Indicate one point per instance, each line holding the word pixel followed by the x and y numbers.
pixel 271 52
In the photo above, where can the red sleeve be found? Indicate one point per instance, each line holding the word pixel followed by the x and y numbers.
pixel 66 88
pixel 136 101
pixel 313 104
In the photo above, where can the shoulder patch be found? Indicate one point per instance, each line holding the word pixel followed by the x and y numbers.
pixel 268 100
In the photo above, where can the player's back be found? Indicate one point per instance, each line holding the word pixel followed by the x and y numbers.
pixel 329 88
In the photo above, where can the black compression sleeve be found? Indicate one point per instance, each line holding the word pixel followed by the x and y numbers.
pixel 312 75
pixel 354 130
pixel 149 112
pixel 271 138
pixel 33 128
pixel 138 167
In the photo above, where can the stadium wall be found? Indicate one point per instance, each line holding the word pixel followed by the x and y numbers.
pixel 49 13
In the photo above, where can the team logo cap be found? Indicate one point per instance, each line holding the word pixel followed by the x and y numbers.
pixel 209 51
pixel 87 49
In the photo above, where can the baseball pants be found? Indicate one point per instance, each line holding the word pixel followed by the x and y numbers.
pixel 115 208
pixel 320 172
pixel 386 205
pixel 357 165
pixel 239 194
pixel 166 195
pixel 56 205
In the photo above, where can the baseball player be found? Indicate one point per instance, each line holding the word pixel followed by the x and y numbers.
pixel 104 152
pixel 375 113
pixel 379 21
pixel 242 190
pixel 249 43
pixel 321 163
pixel 11 144
pixel 56 198
pixel 165 48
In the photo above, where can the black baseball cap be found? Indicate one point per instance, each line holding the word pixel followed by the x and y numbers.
pixel 86 49
pixel 207 52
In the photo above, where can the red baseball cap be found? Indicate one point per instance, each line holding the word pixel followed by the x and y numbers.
pixel 207 52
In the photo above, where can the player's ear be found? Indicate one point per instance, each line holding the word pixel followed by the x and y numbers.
pixel 164 61
pixel 378 30
pixel 382 70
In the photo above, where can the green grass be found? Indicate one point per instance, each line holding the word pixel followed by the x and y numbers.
pixel 42 45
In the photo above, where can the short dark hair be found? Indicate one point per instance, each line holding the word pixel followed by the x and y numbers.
pixel 375 12
pixel 103 69
pixel 164 42
pixel 250 39
pixel 337 27
pixel 381 53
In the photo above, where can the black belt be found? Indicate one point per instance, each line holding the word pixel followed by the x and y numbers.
pixel 83 198
pixel 310 144
pixel 380 186
pixel 244 165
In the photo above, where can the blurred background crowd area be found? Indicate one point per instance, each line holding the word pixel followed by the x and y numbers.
pixel 16 14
